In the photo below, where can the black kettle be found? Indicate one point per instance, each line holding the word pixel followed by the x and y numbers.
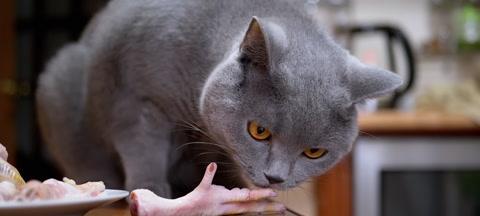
pixel 393 35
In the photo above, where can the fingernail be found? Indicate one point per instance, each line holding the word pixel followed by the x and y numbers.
pixel 273 194
pixel 133 196
pixel 211 167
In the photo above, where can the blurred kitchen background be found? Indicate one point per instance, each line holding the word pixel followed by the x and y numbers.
pixel 418 152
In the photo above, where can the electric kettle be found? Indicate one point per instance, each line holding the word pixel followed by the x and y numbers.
pixel 393 36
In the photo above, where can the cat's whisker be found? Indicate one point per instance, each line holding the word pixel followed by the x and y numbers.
pixel 184 127
pixel 195 124
pixel 177 130
pixel 218 162
pixel 224 150
pixel 368 134
pixel 213 152
pixel 193 127
pixel 202 143
pixel 196 127
pixel 219 155
pixel 184 123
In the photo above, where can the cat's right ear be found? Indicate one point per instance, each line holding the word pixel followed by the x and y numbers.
pixel 370 82
pixel 254 48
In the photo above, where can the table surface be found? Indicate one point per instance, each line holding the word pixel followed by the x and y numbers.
pixel 417 123
pixel 119 208
pixel 384 122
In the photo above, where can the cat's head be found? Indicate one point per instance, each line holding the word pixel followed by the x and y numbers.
pixel 284 102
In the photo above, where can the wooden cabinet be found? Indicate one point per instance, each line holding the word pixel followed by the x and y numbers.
pixel 335 188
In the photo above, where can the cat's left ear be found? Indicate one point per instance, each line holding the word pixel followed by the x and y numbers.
pixel 254 47
pixel 369 82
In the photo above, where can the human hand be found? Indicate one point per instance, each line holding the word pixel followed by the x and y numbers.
pixel 205 199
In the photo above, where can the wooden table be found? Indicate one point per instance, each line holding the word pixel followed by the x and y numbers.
pixel 119 208
pixel 334 188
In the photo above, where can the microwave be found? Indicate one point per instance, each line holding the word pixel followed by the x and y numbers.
pixel 416 176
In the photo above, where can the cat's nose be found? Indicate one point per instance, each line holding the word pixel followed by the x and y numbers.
pixel 273 179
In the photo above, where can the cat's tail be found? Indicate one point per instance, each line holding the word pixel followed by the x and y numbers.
pixel 60 102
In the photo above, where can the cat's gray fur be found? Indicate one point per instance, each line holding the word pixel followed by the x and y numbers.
pixel 109 104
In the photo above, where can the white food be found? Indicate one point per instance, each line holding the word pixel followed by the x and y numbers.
pixel 14 188
pixel 54 189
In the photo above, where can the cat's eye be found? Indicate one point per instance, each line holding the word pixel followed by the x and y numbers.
pixel 258 132
pixel 314 153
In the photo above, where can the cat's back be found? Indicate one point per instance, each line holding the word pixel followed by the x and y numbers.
pixel 183 40
pixel 209 24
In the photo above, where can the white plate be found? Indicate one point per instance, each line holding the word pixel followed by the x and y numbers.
pixel 73 206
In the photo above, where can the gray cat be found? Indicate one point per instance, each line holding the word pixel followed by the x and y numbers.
pixel 155 89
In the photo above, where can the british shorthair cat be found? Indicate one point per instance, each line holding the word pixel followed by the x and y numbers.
pixel 155 88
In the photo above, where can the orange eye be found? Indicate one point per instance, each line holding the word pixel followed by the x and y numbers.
pixel 258 132
pixel 314 153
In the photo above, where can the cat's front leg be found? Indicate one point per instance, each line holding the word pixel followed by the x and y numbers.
pixel 143 143
pixel 144 161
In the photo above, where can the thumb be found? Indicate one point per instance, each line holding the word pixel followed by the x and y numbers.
pixel 208 176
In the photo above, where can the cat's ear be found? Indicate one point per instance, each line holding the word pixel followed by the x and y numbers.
pixel 369 82
pixel 253 49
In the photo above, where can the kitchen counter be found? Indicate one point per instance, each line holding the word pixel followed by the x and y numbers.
pixel 416 123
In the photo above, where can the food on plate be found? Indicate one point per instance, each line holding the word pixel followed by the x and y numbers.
pixel 7 190
pixel 14 188
pixel 54 189
pixel 3 153
pixel 7 171
pixel 206 199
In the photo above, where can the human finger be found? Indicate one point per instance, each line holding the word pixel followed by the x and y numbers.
pixel 208 176
pixel 245 195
